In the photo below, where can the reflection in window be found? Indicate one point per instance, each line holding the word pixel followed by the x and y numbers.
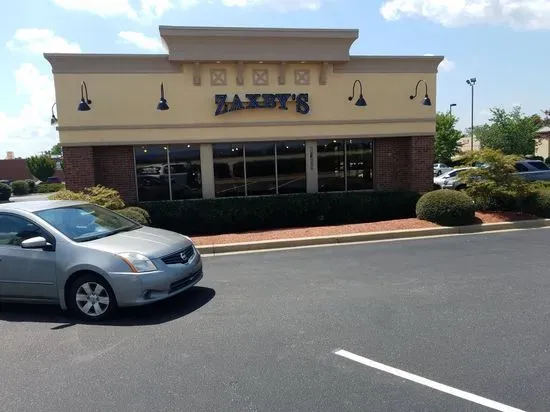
pixel 14 230
pixel 291 167
pixel 260 168
pixel 185 171
pixel 152 172
pixel 229 170
pixel 359 164
pixel 330 166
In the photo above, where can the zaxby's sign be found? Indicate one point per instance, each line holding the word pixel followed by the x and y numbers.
pixel 262 101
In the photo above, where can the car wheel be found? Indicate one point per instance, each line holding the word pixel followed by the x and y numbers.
pixel 461 187
pixel 91 298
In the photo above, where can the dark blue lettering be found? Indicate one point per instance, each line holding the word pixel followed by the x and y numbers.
pixel 283 99
pixel 237 104
pixel 269 101
pixel 302 105
pixel 252 101
pixel 220 104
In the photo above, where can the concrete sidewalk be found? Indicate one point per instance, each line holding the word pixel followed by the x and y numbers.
pixel 370 236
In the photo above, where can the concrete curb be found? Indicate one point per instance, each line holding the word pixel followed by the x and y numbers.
pixel 371 236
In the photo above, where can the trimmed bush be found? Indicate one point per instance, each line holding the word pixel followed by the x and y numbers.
pixel 137 214
pixel 99 195
pixel 5 192
pixel 538 203
pixel 32 185
pixel 20 188
pixel 49 187
pixel 241 214
pixel 446 207
pixel 41 166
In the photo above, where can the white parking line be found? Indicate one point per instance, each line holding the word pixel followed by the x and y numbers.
pixel 427 382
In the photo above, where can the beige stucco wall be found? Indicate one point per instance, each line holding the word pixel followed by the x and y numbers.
pixel 543 147
pixel 124 106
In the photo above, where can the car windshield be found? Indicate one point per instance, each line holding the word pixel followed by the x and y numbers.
pixel 83 223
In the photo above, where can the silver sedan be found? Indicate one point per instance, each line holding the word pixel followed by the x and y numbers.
pixel 88 259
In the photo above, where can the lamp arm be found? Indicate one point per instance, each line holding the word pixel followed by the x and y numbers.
pixel 162 91
pixel 416 89
pixel 84 88
pixel 353 90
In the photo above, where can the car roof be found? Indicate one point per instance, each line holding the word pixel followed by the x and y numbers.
pixel 38 205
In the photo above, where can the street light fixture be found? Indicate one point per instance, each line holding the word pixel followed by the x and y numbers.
pixel 472 82
pixel 451 107
pixel 163 104
pixel 361 100
pixel 426 100
pixel 53 119
pixel 84 104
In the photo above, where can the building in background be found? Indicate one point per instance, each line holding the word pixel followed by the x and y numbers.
pixel 10 156
pixel 466 144
pixel 244 112
pixel 543 142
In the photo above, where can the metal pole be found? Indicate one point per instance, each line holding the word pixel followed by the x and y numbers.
pixel 472 129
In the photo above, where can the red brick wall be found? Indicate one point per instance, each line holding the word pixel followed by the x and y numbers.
pixel 114 167
pixel 79 167
pixel 16 169
pixel 403 163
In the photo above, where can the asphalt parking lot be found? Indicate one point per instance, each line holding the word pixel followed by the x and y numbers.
pixel 263 330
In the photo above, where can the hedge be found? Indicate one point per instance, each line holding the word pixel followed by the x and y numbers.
pixel 5 192
pixel 538 204
pixel 446 207
pixel 137 214
pixel 20 188
pixel 240 214
pixel 49 187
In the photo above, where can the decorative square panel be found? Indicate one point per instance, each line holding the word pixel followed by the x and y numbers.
pixel 301 76
pixel 218 77
pixel 260 77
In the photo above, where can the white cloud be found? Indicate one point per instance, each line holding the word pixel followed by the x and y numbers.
pixel 154 9
pixel 29 131
pixel 38 41
pixel 142 41
pixel 518 14
pixel 446 65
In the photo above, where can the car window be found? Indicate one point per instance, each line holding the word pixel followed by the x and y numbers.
pixel 521 167
pixel 14 230
pixel 539 165
pixel 453 174
pixel 86 222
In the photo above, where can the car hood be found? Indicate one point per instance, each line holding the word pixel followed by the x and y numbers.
pixel 148 241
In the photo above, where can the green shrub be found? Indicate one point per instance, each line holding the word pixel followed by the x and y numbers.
pixel 99 195
pixel 20 188
pixel 446 207
pixel 49 187
pixel 5 192
pixel 32 185
pixel 538 203
pixel 41 167
pixel 240 214
pixel 137 214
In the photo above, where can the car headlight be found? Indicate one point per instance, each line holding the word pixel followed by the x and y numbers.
pixel 137 262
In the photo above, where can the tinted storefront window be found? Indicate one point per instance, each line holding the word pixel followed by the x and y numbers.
pixel 260 168
pixel 185 171
pixel 330 166
pixel 291 167
pixel 152 172
pixel 229 169
pixel 359 164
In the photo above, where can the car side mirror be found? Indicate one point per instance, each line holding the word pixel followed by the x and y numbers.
pixel 34 243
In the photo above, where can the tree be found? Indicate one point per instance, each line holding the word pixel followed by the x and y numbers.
pixel 546 119
pixel 41 166
pixel 56 150
pixel 512 133
pixel 447 137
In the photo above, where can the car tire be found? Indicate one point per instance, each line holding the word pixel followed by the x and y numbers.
pixel 91 298
pixel 461 187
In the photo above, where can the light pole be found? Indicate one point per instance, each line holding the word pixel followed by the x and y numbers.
pixel 451 107
pixel 472 82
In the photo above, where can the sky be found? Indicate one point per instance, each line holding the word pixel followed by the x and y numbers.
pixel 504 44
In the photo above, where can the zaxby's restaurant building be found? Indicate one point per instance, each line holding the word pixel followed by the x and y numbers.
pixel 245 112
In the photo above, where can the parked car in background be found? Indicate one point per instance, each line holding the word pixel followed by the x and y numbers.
pixel 54 179
pixel 88 259
pixel 440 168
pixel 451 180
pixel 532 170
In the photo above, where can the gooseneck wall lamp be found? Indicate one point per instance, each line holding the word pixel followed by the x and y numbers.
pixel 426 100
pixel 85 103
pixel 163 104
pixel 361 100
pixel 53 120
